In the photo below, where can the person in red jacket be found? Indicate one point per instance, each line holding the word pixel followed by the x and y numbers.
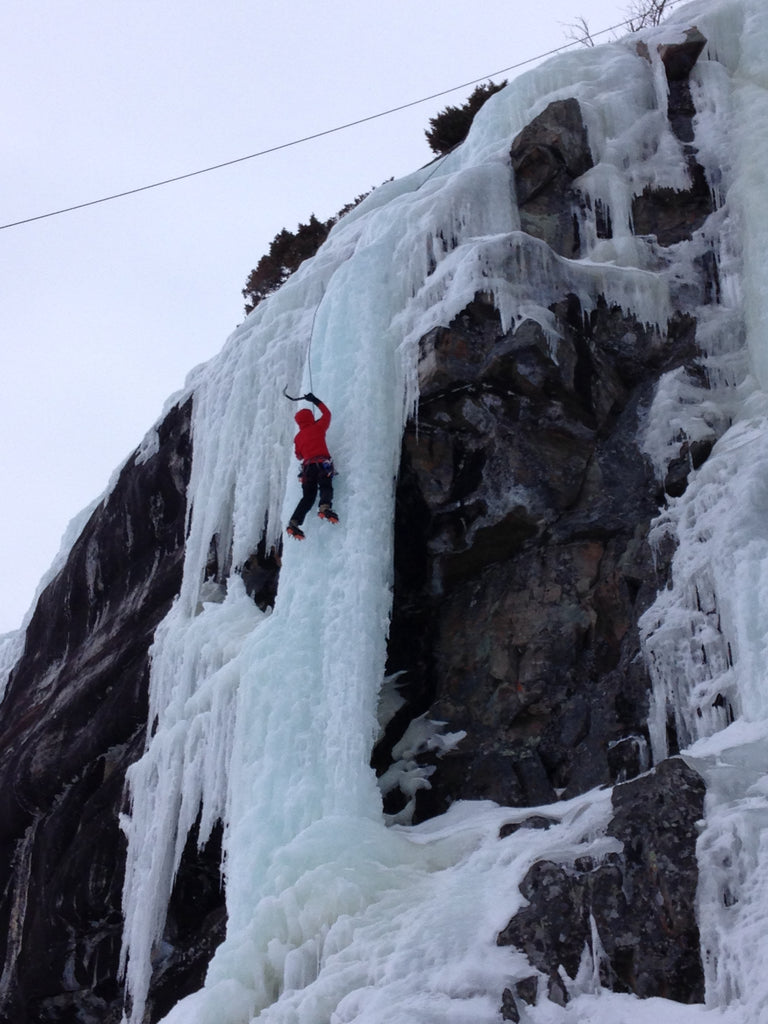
pixel 316 466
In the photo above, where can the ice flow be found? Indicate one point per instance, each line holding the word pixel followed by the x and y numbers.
pixel 266 720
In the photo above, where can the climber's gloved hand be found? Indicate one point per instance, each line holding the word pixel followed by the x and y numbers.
pixel 309 397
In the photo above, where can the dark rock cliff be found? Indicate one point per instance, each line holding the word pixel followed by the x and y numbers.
pixel 522 567
pixel 517 607
pixel 74 717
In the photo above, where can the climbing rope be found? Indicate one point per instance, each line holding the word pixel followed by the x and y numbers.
pixel 311 335
pixel 299 398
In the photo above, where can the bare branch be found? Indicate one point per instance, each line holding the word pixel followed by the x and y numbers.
pixel 643 13
pixel 578 32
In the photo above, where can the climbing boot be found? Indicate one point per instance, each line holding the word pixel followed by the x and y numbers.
pixel 326 512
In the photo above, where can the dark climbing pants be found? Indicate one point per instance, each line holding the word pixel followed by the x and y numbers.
pixel 315 476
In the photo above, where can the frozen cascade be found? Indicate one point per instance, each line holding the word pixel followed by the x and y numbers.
pixel 706 636
pixel 266 721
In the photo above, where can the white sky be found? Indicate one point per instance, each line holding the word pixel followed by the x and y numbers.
pixel 104 311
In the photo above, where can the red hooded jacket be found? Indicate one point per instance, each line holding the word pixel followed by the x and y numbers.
pixel 309 444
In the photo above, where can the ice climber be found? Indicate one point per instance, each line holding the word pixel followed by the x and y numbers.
pixel 316 465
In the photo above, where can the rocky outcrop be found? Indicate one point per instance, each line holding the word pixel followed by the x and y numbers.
pixel 547 156
pixel 672 216
pixel 534 503
pixel 633 914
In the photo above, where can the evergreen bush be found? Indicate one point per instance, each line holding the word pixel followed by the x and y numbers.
pixel 451 126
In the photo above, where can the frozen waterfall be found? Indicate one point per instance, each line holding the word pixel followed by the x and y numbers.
pixel 266 720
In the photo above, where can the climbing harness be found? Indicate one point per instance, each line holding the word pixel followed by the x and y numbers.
pixel 326 467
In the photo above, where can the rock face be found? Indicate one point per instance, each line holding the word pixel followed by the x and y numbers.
pixel 673 216
pixel 634 912
pixel 522 567
pixel 547 156
pixel 74 718
pixel 535 504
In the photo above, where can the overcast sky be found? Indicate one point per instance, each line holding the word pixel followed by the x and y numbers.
pixel 104 311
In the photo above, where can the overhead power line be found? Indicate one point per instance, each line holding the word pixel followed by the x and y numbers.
pixel 315 135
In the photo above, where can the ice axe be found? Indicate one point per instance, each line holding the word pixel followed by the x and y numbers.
pixel 309 397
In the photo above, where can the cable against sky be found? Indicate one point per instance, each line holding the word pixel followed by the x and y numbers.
pixel 316 135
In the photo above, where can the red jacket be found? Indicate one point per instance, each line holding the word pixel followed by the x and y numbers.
pixel 309 444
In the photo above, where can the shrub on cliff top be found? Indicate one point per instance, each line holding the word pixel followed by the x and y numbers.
pixel 450 126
